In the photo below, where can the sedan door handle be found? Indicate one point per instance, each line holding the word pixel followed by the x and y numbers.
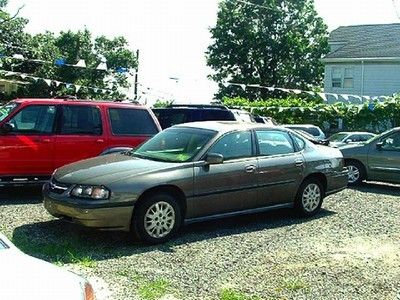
pixel 250 169
pixel 299 163
pixel 100 141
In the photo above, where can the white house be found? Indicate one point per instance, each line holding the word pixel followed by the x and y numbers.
pixel 364 60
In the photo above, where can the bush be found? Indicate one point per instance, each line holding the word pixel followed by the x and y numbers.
pixel 373 116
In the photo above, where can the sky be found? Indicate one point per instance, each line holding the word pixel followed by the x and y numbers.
pixel 172 35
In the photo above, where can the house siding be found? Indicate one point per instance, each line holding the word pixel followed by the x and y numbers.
pixel 380 79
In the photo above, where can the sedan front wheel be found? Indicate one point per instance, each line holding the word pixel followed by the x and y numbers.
pixel 157 218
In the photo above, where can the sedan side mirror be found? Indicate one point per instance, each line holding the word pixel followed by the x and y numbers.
pixel 6 128
pixel 379 145
pixel 348 141
pixel 214 158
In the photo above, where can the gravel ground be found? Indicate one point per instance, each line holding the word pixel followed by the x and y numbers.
pixel 351 250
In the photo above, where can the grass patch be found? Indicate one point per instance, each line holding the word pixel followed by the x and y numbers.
pixel 59 253
pixel 295 284
pixel 230 294
pixel 147 289
pixel 151 290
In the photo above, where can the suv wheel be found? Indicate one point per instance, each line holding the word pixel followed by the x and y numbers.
pixel 356 172
pixel 309 197
pixel 157 218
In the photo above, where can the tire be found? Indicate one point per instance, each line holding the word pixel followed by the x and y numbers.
pixel 309 197
pixel 356 172
pixel 156 219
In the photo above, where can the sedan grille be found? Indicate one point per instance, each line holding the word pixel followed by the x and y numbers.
pixel 58 187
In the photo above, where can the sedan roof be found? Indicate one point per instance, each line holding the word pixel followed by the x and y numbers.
pixel 224 126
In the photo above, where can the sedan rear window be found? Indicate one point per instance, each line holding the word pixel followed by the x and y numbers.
pixel 125 121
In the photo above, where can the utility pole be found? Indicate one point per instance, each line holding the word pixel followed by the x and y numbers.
pixel 136 76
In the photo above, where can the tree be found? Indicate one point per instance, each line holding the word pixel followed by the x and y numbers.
pixel 267 42
pixel 11 29
pixel 41 51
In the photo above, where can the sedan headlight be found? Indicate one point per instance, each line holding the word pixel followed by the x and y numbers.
pixel 90 191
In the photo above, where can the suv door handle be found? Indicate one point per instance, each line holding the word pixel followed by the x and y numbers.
pixel 100 141
pixel 299 162
pixel 250 168
pixel 41 140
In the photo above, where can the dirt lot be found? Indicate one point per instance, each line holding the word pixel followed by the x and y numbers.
pixel 349 251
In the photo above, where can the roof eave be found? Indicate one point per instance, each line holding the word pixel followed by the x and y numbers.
pixel 359 59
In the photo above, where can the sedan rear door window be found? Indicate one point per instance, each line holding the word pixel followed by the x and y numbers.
pixel 274 142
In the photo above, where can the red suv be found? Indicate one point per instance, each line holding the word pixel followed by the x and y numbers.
pixel 39 135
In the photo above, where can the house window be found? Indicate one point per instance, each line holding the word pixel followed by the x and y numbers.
pixel 336 77
pixel 348 81
pixel 2 87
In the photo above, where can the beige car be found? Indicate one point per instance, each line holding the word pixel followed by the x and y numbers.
pixel 193 172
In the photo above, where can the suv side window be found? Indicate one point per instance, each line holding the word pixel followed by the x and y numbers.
pixel 34 119
pixel 234 145
pixel 128 121
pixel 80 119
pixel 274 142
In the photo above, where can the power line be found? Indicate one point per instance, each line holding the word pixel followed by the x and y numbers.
pixel 253 4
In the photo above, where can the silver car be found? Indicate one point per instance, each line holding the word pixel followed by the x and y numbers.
pixel 193 172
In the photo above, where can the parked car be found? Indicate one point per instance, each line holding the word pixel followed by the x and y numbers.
pixel 377 159
pixel 39 135
pixel 343 138
pixel 25 277
pixel 178 114
pixel 184 113
pixel 265 120
pixel 311 129
pixel 312 138
pixel 193 172
pixel 243 116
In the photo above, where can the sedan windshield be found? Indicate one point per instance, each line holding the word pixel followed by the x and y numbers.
pixel 175 144
pixel 5 110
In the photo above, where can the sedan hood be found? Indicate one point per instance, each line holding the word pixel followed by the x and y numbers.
pixel 109 168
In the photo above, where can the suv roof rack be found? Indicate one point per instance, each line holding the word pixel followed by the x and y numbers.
pixel 198 106
pixel 66 97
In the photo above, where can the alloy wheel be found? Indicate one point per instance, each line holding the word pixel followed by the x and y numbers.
pixel 311 197
pixel 354 173
pixel 159 219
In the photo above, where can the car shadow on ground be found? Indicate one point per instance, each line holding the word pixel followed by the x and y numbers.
pixel 59 241
pixel 20 195
pixel 378 188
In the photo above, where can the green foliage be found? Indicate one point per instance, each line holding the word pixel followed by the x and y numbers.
pixel 162 103
pixel 71 46
pixel 279 44
pixel 380 117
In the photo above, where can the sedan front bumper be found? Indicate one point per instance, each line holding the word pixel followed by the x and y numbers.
pixel 112 217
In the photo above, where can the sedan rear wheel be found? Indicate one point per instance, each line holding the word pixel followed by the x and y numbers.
pixel 309 197
pixel 157 218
